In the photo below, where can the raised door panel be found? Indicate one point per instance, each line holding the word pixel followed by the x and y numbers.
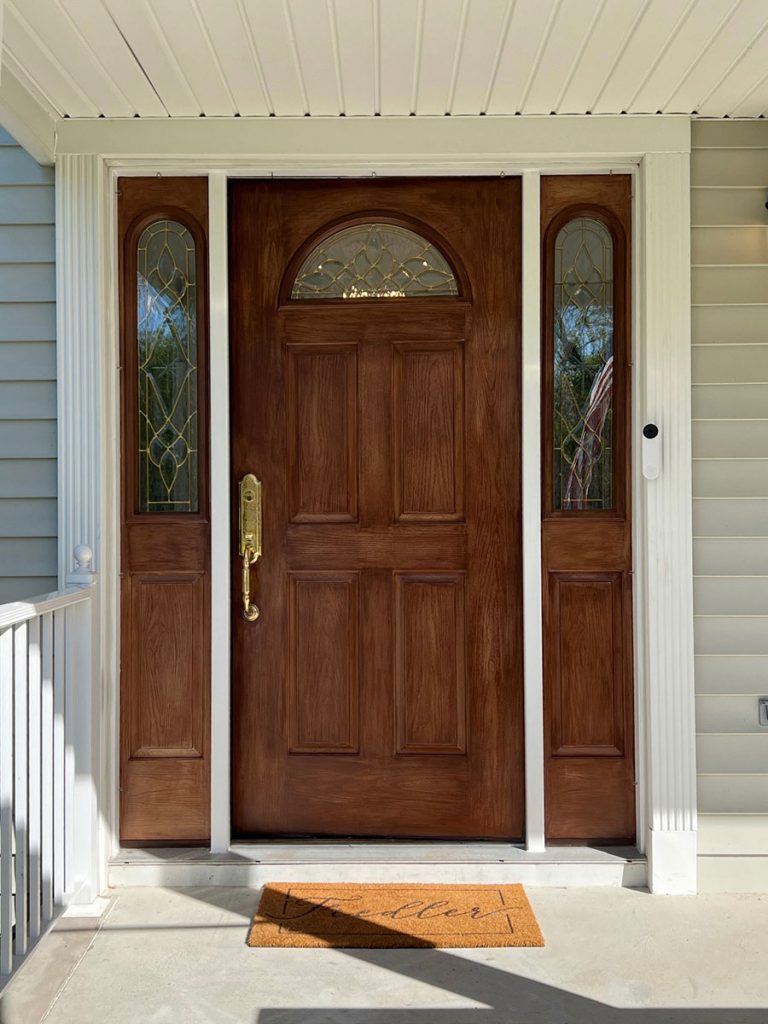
pixel 168 671
pixel 588 672
pixel 323 663
pixel 430 668
pixel 322 433
pixel 429 431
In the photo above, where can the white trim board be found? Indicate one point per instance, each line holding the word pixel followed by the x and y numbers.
pixel 666 782
pixel 350 145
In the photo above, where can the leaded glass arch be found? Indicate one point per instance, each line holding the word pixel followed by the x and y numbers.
pixel 583 366
pixel 374 261
pixel 167 368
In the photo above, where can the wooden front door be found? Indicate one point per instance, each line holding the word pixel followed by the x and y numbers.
pixel 375 333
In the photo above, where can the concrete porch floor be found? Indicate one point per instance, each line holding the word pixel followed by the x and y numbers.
pixel 613 956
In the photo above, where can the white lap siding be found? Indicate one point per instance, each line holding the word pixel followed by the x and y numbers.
pixel 28 558
pixel 730 486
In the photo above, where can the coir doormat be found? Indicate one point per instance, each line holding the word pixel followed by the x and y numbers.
pixel 390 916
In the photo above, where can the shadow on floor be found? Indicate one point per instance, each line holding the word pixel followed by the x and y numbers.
pixel 507 998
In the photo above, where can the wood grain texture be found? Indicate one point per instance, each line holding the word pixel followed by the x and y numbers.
pixel 588 674
pixel 429 432
pixel 587 562
pixel 322 433
pixel 165 566
pixel 430 664
pixel 167 682
pixel 324 669
pixel 415 440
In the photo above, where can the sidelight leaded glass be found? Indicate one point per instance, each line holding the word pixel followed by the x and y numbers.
pixel 374 261
pixel 583 366
pixel 167 368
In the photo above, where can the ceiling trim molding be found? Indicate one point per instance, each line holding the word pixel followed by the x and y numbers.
pixel 22 115
pixel 365 144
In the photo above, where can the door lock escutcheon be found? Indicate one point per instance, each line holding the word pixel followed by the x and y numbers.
pixel 250 538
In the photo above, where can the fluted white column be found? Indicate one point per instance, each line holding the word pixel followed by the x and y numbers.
pixel 80 298
pixel 665 535
pixel 87 438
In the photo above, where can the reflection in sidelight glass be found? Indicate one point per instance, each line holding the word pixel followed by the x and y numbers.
pixel 583 366
pixel 374 261
pixel 167 368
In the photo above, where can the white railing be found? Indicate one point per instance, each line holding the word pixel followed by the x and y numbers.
pixel 46 658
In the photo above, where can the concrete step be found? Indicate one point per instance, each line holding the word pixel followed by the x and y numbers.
pixel 254 864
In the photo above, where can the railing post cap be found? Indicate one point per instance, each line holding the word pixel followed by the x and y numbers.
pixel 83 557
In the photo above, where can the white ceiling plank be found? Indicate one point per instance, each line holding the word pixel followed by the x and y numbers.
pixel 100 33
pixel 310 22
pixel 694 38
pixel 187 36
pixel 277 56
pixel 651 36
pixel 358 54
pixel 399 22
pixel 139 27
pixel 714 63
pixel 56 30
pixel 742 76
pixel 483 37
pixel 437 59
pixel 520 55
pixel 603 49
pixel 738 85
pixel 564 43
pixel 230 35
pixel 45 67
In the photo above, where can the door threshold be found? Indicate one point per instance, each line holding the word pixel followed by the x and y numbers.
pixel 257 863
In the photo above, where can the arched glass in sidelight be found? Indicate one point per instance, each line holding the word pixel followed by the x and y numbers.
pixel 374 261
pixel 583 366
pixel 167 368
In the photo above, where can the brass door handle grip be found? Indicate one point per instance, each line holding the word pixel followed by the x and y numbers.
pixel 250 538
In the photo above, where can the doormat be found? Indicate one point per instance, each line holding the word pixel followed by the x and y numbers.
pixel 392 916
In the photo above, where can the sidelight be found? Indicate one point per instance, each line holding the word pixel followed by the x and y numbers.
pixel 583 366
pixel 374 261
pixel 167 368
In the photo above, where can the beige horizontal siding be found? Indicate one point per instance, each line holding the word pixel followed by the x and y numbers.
pixel 28 527
pixel 729 325
pixel 731 673
pixel 729 244
pixel 732 595
pixel 728 713
pixel 725 834
pixel 730 792
pixel 730 556
pixel 726 478
pixel 729 289
pixel 730 206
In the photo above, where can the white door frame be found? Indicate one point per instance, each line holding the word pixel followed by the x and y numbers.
pixel 90 157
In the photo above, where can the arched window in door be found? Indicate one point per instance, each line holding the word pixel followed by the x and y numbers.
pixel 374 261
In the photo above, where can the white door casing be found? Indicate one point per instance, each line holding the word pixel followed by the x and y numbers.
pixel 92 154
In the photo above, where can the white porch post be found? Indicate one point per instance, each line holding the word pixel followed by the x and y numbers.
pixel 220 509
pixel 664 508
pixel 83 362
pixel 531 430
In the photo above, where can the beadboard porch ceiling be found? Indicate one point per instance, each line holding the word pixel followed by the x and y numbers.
pixel 327 58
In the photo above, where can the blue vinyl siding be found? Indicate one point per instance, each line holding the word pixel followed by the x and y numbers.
pixel 28 557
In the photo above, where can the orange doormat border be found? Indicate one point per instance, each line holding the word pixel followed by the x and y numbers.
pixel 359 916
